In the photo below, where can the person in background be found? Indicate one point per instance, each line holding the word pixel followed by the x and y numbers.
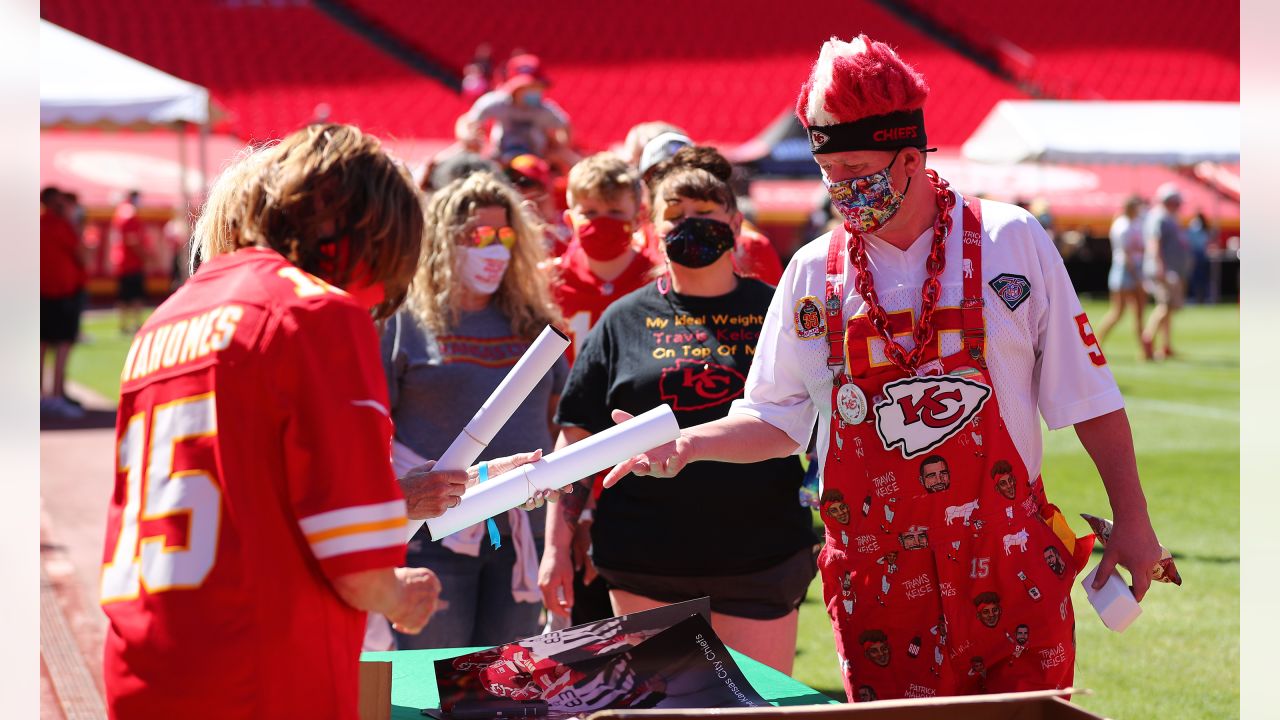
pixel 737 534
pixel 62 280
pixel 75 213
pixel 1198 233
pixel 477 75
pixel 128 248
pixel 478 299
pixel 639 136
pixel 444 170
pixel 659 149
pixel 531 175
pixel 1166 263
pixel 753 254
pixel 1125 279
pixel 524 119
pixel 604 261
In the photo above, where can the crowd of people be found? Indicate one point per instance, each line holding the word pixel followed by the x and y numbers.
pixel 64 263
pixel 280 413
pixel 1153 255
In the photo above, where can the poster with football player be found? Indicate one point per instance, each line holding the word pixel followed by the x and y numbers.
pixel 666 657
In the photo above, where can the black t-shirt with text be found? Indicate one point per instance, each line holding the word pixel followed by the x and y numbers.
pixel 692 353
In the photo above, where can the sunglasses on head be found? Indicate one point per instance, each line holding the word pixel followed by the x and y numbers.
pixel 486 235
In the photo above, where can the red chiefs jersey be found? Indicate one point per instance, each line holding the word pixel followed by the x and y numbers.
pixel 754 256
pixel 61 269
pixel 125 223
pixel 583 297
pixel 253 465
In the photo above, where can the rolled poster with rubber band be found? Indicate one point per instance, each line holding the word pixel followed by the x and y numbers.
pixel 501 405
pixel 579 460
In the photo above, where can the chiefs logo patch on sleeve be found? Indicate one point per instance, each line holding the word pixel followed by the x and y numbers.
pixel 920 413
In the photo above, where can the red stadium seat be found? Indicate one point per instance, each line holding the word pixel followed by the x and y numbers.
pixel 269 64
pixel 1094 49
pixel 720 68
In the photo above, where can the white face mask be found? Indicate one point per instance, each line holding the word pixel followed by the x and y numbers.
pixel 482 268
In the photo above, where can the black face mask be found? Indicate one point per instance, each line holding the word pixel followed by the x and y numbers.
pixel 697 242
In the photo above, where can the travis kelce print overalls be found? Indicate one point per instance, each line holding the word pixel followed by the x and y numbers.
pixel 945 571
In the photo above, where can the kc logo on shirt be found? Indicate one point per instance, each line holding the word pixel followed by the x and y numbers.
pixel 697 385
pixel 920 413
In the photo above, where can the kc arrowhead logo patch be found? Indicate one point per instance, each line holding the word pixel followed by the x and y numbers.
pixel 920 413
pixel 817 139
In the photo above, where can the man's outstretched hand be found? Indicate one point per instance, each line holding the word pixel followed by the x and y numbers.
pixel 663 461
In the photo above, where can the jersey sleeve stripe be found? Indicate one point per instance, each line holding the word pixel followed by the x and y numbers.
pixel 359 542
pixel 344 517
pixel 355 528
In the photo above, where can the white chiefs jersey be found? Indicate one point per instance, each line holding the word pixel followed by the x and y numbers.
pixel 1040 349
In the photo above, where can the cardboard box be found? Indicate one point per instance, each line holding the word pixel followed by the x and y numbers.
pixel 1044 705
pixel 375 690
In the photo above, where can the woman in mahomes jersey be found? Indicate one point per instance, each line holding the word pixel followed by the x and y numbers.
pixel 477 302
pixel 256 517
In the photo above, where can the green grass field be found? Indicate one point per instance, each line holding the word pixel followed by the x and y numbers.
pixel 1181 658
pixel 95 363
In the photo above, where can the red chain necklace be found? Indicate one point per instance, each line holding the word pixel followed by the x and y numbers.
pixel 908 361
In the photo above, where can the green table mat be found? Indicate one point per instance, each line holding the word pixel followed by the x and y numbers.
pixel 413 681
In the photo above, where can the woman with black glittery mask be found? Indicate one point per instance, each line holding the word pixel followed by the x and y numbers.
pixel 734 532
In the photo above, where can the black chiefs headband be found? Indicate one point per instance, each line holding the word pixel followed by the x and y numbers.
pixel 878 132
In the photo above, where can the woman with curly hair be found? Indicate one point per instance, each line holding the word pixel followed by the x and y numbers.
pixel 478 300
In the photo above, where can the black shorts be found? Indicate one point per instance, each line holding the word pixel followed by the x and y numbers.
pixel 132 286
pixel 60 318
pixel 767 594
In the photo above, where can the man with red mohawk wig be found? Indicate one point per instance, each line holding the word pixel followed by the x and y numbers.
pixel 924 337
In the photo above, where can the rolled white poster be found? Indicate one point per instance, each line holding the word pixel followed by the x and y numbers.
pixel 575 462
pixel 501 405
pixel 503 401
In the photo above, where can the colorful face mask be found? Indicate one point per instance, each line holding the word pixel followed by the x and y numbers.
pixel 602 238
pixel 482 268
pixel 531 98
pixel 697 242
pixel 867 202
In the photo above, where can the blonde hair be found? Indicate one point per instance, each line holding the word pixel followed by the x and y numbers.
pixel 217 227
pixel 329 199
pixel 604 176
pixel 524 295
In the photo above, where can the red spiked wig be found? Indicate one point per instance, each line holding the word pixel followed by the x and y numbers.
pixel 863 80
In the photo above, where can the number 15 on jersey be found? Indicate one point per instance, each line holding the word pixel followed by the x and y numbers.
pixel 152 557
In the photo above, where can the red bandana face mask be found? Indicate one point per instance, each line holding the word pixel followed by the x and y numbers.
pixel 603 238
pixel 369 296
pixel 337 254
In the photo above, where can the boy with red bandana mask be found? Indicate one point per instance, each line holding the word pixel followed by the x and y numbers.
pixel 602 262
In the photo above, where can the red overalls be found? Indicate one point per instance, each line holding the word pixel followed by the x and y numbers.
pixel 945 571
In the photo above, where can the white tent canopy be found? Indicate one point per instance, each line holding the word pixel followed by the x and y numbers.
pixel 1067 131
pixel 86 84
